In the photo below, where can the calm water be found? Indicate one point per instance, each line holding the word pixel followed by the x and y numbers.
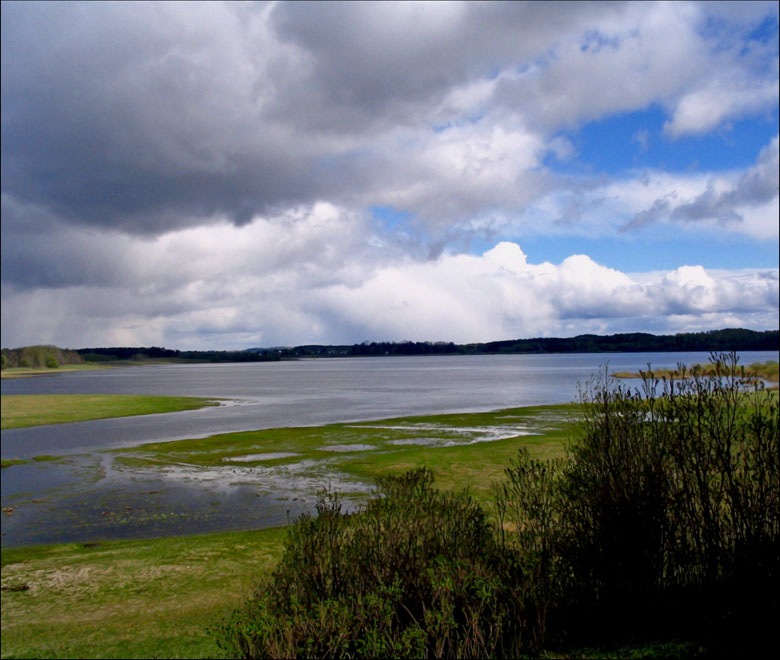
pixel 85 497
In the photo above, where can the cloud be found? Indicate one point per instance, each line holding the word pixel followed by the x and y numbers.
pixel 201 174
pixel 153 117
pixel 261 285
pixel 741 78
pixel 726 200
pixel 708 107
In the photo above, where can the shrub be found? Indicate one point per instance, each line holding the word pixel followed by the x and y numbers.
pixel 665 517
pixel 417 573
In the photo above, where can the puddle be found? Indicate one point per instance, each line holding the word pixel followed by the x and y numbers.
pixel 348 448
pixel 120 501
pixel 462 435
pixel 146 510
pixel 290 479
pixel 418 441
pixel 269 456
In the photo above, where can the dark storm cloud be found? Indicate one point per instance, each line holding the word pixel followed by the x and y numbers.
pixel 372 62
pixel 148 117
pixel 151 117
pixel 39 250
pixel 140 117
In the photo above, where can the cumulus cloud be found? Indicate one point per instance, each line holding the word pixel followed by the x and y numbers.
pixel 706 108
pixel 249 288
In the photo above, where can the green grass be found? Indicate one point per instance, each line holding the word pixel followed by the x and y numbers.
pixel 476 466
pixel 20 410
pixel 8 462
pixel 128 599
pixel 20 372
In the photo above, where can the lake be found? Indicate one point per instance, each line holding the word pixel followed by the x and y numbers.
pixel 75 498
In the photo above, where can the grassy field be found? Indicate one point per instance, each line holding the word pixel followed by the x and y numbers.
pixel 20 410
pixel 128 599
pixel 156 598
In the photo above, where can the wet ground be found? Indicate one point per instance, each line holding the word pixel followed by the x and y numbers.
pixel 239 481
pixel 93 497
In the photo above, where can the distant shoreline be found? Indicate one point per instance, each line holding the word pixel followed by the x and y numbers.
pixel 725 340
pixel 46 360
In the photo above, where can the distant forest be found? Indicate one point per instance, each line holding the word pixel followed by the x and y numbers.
pixel 715 340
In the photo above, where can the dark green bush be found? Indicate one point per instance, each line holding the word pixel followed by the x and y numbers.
pixel 665 517
pixel 417 573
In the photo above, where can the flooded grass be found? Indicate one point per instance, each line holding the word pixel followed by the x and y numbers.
pixel 261 478
pixel 8 462
pixel 472 446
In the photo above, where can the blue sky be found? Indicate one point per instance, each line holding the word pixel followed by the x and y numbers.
pixel 227 175
pixel 635 140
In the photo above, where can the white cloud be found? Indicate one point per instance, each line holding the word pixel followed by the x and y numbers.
pixel 199 174
pixel 742 202
pixel 256 290
pixel 704 109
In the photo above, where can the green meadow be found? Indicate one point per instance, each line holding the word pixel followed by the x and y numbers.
pixel 128 599
pixel 20 410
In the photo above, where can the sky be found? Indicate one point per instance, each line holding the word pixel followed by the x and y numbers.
pixel 233 175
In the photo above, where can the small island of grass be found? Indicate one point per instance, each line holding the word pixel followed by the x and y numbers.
pixel 20 410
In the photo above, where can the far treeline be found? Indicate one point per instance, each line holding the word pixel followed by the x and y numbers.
pixel 39 357
pixel 730 339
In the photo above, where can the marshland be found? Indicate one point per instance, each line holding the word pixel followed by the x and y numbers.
pixel 182 527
